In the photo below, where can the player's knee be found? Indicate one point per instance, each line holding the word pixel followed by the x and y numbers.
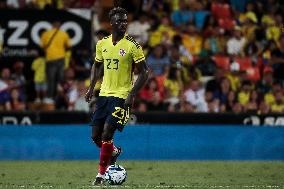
pixel 107 136
pixel 97 140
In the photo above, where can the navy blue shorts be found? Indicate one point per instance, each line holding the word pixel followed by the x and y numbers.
pixel 110 110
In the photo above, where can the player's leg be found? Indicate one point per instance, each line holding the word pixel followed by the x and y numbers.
pixel 98 120
pixel 97 123
pixel 97 131
pixel 107 147
pixel 119 118
pixel 106 152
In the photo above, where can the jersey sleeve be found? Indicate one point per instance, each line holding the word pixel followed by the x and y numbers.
pixel 99 56
pixel 137 53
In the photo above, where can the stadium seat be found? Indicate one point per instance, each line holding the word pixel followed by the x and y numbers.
pixel 222 62
pixel 226 23
pixel 253 73
pixel 220 10
pixel 245 63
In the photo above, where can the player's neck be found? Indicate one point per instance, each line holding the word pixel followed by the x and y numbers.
pixel 117 37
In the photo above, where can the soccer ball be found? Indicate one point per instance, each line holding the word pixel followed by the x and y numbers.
pixel 115 175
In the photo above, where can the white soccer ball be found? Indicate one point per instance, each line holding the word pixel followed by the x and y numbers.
pixel 115 175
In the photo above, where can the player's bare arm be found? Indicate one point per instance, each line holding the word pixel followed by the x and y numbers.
pixel 96 73
pixel 143 73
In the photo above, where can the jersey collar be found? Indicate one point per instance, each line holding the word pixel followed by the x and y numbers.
pixel 125 35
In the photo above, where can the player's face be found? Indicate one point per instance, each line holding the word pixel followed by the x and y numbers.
pixel 119 23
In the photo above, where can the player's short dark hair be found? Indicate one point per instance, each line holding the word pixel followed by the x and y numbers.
pixel 116 10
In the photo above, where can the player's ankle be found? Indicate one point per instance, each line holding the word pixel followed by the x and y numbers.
pixel 101 175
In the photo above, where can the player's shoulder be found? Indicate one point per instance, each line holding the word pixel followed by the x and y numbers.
pixel 133 41
pixel 103 40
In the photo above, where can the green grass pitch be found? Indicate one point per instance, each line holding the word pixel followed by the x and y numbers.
pixel 145 174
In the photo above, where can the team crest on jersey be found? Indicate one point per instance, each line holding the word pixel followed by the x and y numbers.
pixel 122 52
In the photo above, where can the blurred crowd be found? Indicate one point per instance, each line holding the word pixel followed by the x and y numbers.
pixel 204 56
pixel 45 4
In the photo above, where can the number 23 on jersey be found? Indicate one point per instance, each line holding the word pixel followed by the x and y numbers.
pixel 112 63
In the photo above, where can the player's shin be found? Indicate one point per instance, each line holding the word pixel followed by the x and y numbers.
pixel 105 155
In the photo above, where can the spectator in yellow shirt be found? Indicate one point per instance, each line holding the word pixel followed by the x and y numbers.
pixel 234 76
pixel 192 41
pixel 38 66
pixel 55 43
pixel 41 4
pixel 269 97
pixel 278 105
pixel 244 94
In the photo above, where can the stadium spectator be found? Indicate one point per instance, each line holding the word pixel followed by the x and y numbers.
pixel 278 105
pixel 38 66
pixel 212 44
pixel 151 95
pixel 80 102
pixel 181 106
pixel 186 57
pixel 252 105
pixel 158 7
pixel 45 4
pixel 277 61
pixel 213 84
pixel 245 92
pixel 162 33
pixel 264 85
pixel 234 75
pixel 81 63
pixel 182 16
pixel 250 25
pixel 200 14
pixel 209 26
pixel 140 106
pixel 139 29
pixel 237 108
pixel 54 42
pixel 189 72
pixel 192 40
pixel 264 108
pixel 16 102
pixel 213 105
pixel 19 78
pixel 266 53
pixel 236 43
pixel 5 86
pixel 221 93
pixel 67 93
pixel 269 97
pixel 231 100
pixel 195 96
pixel 16 4
pixel 87 4
pixel 158 61
pixel 173 86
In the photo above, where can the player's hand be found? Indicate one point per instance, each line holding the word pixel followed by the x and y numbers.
pixel 89 95
pixel 129 101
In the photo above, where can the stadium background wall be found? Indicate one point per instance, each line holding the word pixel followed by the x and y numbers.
pixel 145 142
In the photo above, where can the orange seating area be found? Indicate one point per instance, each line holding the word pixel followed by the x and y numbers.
pixel 253 72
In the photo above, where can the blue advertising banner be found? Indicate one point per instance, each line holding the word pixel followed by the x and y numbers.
pixel 145 142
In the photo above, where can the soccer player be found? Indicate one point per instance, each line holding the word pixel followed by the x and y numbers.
pixel 116 57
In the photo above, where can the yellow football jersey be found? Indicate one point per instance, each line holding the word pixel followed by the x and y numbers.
pixel 118 64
